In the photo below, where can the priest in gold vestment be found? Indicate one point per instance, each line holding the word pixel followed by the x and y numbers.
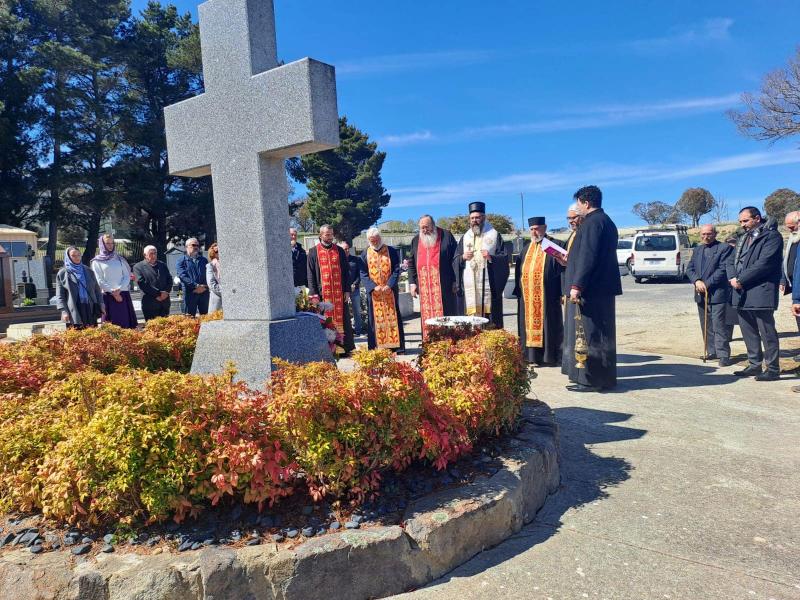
pixel 537 287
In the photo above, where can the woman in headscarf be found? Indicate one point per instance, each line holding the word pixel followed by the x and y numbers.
pixel 78 296
pixel 213 279
pixel 114 277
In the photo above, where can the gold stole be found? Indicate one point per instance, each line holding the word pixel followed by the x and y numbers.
pixel 533 295
pixel 384 315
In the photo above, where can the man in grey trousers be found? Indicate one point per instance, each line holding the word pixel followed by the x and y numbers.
pixel 707 272
pixel 754 271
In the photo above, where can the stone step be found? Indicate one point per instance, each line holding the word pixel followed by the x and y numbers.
pixel 22 331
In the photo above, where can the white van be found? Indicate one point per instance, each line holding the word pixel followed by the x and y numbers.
pixel 661 252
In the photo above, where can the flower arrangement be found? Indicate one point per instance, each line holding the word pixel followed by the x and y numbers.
pixel 305 303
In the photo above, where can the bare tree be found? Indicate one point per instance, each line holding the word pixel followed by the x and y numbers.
pixel 720 210
pixel 774 113
pixel 656 212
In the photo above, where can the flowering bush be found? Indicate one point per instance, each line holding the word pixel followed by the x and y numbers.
pixel 139 445
pixel 343 428
pixel 481 378
pixel 89 433
pixel 165 343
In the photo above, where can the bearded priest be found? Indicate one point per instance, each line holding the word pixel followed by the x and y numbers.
pixel 430 271
pixel 329 281
pixel 537 286
pixel 481 267
pixel 384 325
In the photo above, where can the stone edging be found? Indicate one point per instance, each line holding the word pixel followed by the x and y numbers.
pixel 441 531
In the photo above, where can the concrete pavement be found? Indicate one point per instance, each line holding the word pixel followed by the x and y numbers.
pixel 683 483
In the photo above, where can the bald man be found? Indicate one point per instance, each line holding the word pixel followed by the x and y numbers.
pixel 792 222
pixel 712 293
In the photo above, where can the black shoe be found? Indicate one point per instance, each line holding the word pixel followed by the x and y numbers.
pixel 725 362
pixel 768 376
pixel 748 372
pixel 711 357
pixel 579 387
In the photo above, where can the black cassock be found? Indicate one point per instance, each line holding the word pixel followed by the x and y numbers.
pixel 447 277
pixel 315 289
pixel 550 353
pixel 498 271
pixel 369 286
pixel 592 267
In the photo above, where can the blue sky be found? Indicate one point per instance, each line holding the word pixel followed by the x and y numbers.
pixel 474 100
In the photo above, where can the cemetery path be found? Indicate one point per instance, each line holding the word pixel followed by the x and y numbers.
pixel 681 484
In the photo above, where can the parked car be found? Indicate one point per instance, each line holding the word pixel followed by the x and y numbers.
pixel 625 252
pixel 661 252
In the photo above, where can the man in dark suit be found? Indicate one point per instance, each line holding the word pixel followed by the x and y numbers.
pixel 592 279
pixel 191 270
pixel 299 260
pixel 707 273
pixel 754 272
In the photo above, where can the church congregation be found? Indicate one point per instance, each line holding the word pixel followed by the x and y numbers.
pixel 566 296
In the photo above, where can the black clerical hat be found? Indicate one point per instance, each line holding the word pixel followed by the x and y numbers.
pixel 536 221
pixel 477 207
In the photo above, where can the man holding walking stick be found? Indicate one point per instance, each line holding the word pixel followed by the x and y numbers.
pixel 481 267
pixel 712 293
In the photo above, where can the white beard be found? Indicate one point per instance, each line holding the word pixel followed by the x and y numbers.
pixel 794 237
pixel 476 229
pixel 376 247
pixel 538 238
pixel 428 239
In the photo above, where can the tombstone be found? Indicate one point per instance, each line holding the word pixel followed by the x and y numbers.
pixel 6 283
pixel 253 115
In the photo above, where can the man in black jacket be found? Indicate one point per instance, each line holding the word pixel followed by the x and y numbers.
pixel 299 260
pixel 754 271
pixel 155 281
pixel 592 279
pixel 707 273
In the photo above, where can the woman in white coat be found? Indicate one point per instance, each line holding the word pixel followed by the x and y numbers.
pixel 213 279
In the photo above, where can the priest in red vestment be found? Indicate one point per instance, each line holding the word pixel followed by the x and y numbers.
pixel 430 271
pixel 329 280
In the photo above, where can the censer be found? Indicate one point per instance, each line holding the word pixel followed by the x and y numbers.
pixel 581 346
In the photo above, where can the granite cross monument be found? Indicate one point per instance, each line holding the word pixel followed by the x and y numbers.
pixel 251 117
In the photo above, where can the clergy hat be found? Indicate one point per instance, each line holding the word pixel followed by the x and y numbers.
pixel 479 207
pixel 536 221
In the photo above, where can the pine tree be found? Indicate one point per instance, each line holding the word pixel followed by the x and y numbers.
pixel 345 188
pixel 19 82
pixel 154 48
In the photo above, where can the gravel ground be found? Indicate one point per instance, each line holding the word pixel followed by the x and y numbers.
pixel 661 317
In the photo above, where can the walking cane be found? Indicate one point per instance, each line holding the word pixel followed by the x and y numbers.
pixel 705 326
pixel 483 292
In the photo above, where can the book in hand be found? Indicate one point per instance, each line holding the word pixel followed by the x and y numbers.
pixel 553 249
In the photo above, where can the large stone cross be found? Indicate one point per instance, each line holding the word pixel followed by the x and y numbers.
pixel 253 115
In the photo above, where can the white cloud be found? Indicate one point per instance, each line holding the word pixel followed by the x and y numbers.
pixel 587 118
pixel 407 138
pixel 393 63
pixel 610 175
pixel 709 31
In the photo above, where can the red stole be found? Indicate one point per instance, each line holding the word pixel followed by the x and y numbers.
pixel 330 276
pixel 429 283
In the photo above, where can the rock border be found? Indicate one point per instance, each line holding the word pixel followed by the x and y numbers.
pixel 439 532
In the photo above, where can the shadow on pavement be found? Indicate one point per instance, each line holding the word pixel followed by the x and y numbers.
pixel 660 375
pixel 585 477
pixel 636 358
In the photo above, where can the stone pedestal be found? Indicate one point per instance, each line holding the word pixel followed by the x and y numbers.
pixel 252 345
